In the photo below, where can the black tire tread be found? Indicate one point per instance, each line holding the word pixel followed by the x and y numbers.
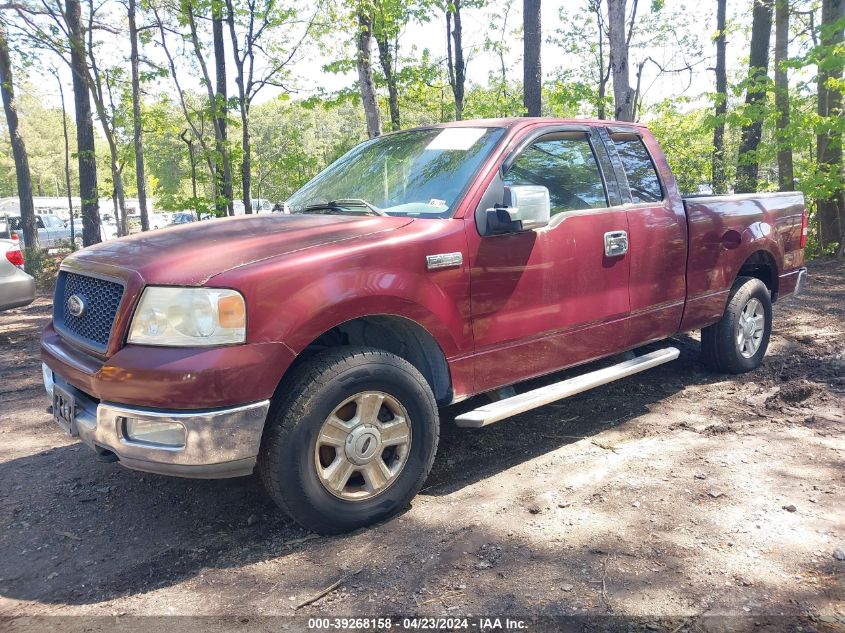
pixel 302 387
pixel 717 346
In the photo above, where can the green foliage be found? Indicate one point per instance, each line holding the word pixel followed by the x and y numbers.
pixel 34 258
pixel 41 128
pixel 687 141
pixel 295 135
pixel 293 141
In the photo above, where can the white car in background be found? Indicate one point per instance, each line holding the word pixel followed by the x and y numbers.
pixel 16 287
pixel 52 230
pixel 261 205
pixel 160 219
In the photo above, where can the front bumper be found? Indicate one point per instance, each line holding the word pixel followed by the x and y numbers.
pixel 218 443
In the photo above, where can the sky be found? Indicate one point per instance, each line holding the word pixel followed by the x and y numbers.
pixel 694 19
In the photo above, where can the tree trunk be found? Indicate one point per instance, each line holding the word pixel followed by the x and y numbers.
pixel 136 119
pixel 67 163
pixel 365 75
pixel 94 78
pixel 246 161
pixel 217 159
pixel 623 94
pixel 455 57
pixel 10 105
pixel 786 177
pixel 84 126
pixel 385 56
pixel 719 178
pixel 220 105
pixel 748 163
pixel 604 72
pixel 119 194
pixel 190 144
pixel 531 69
pixel 243 103
pixel 831 209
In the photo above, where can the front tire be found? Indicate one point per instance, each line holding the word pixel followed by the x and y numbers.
pixel 351 441
pixel 737 343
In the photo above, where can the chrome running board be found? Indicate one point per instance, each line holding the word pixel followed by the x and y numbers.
pixel 496 411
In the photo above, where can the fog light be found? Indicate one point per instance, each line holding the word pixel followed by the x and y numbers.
pixel 47 374
pixel 169 434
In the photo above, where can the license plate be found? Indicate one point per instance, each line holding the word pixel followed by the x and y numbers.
pixel 64 410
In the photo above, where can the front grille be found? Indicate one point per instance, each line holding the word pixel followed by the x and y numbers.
pixel 100 299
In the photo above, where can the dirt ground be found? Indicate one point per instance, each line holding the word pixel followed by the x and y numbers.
pixel 670 496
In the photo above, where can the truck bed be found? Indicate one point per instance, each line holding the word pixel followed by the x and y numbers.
pixel 727 232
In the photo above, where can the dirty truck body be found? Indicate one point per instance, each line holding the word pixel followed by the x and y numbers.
pixel 422 268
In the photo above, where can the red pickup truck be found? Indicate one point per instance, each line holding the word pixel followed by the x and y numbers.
pixel 421 268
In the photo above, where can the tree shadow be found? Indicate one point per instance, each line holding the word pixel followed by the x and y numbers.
pixel 466 456
pixel 81 532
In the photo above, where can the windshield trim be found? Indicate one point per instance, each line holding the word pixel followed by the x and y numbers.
pixel 462 192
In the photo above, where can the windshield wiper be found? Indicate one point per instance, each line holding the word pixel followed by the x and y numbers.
pixel 343 204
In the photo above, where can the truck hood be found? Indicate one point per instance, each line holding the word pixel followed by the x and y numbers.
pixel 191 254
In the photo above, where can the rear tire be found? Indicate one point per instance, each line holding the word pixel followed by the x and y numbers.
pixel 351 440
pixel 737 343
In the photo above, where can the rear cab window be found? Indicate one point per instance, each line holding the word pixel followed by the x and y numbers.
pixel 639 168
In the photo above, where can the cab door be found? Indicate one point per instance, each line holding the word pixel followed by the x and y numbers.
pixel 553 297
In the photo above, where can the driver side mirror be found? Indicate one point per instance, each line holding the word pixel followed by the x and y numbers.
pixel 526 207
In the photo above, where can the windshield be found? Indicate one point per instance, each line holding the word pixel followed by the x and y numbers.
pixel 418 173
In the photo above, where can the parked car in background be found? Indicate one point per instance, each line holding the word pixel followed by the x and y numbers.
pixel 156 221
pixel 159 220
pixel 261 205
pixel 183 217
pixel 423 268
pixel 6 231
pixel 258 205
pixel 108 228
pixel 16 287
pixel 52 230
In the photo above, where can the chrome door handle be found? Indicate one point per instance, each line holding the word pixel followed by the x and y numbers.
pixel 615 243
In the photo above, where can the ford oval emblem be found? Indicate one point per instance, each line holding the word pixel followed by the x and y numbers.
pixel 76 305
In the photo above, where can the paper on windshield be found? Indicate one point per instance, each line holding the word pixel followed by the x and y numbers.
pixel 456 138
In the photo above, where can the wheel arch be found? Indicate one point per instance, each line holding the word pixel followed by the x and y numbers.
pixel 392 333
pixel 761 265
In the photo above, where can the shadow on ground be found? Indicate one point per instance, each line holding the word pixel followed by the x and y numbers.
pixel 79 532
pixel 114 532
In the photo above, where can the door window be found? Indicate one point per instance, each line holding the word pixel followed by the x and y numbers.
pixel 567 167
pixel 642 176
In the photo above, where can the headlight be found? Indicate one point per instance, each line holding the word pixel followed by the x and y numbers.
pixel 189 317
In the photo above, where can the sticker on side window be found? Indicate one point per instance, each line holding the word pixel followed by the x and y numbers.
pixel 456 138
